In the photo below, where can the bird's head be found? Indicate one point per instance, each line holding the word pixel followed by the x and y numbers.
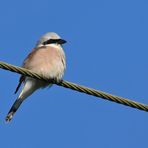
pixel 50 38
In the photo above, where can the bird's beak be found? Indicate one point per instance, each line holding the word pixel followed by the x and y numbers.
pixel 61 41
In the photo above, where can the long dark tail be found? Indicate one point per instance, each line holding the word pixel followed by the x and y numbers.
pixel 13 109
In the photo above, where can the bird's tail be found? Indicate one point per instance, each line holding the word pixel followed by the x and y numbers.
pixel 29 87
pixel 13 109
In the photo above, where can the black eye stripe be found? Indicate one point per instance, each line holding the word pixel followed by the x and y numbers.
pixel 51 41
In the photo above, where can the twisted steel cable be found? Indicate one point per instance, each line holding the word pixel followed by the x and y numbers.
pixel 75 87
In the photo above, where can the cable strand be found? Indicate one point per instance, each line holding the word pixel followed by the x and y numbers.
pixel 75 87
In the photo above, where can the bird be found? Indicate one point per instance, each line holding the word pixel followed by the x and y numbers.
pixel 48 59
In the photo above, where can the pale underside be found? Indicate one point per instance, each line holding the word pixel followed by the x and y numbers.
pixel 48 61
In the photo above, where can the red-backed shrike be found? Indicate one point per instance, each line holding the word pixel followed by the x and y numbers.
pixel 46 59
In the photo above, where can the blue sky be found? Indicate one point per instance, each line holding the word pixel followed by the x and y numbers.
pixel 107 48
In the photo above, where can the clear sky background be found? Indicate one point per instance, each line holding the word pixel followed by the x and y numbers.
pixel 107 49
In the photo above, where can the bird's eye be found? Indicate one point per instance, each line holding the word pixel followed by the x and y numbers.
pixel 47 42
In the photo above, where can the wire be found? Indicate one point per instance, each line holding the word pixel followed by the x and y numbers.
pixel 76 87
